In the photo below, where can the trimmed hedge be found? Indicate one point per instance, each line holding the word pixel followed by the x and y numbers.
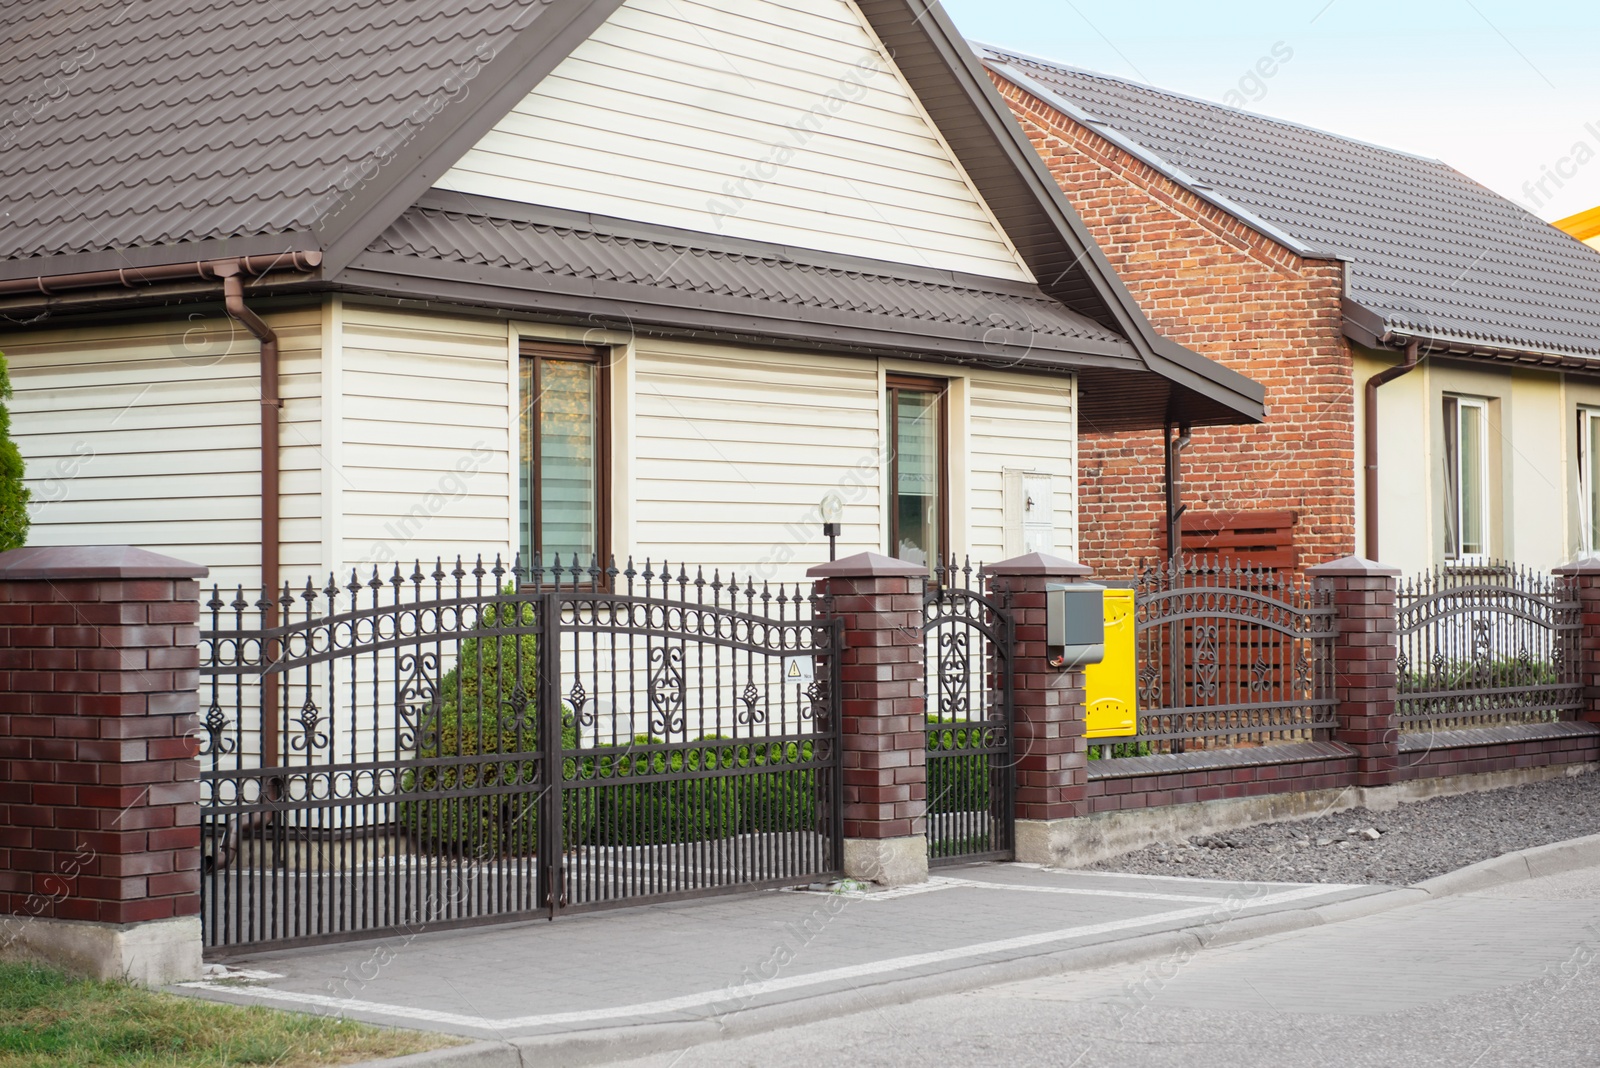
pixel 652 813
pixel 957 783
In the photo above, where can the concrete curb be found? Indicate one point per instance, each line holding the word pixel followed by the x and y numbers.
pixel 608 1044
pixel 1516 867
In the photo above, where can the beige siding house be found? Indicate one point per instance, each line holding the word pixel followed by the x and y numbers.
pixel 648 279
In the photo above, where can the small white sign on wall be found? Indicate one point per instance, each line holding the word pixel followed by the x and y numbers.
pixel 1030 512
pixel 800 670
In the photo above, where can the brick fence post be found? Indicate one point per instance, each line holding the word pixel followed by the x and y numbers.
pixel 1365 648
pixel 1048 722
pixel 99 784
pixel 1582 577
pixel 882 717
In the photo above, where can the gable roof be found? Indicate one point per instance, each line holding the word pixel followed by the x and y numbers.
pixel 227 127
pixel 1430 253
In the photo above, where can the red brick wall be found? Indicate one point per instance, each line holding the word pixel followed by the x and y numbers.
pixel 1214 285
pixel 1435 763
pixel 99 791
pixel 1213 784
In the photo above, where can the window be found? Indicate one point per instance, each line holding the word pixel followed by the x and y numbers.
pixel 564 464
pixel 918 476
pixel 1589 476
pixel 1466 473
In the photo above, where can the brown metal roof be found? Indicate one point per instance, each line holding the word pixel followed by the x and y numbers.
pixel 1430 252
pixel 165 122
pixel 546 247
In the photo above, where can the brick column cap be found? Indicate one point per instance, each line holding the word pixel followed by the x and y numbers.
pixel 868 565
pixel 1588 564
pixel 69 562
pixel 1352 566
pixel 1039 564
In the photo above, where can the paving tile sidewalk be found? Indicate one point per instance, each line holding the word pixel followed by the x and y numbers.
pixel 712 958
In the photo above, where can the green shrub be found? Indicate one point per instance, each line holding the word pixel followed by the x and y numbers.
pixel 783 799
pixel 957 783
pixel 13 494
pixel 489 711
pixel 1120 749
pixel 652 813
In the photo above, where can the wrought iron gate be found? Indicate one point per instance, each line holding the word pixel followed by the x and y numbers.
pixel 1487 645
pixel 1229 656
pixel 470 745
pixel 967 636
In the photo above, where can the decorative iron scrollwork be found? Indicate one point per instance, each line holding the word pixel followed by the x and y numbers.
pixel 415 698
pixel 214 723
pixel 579 699
pixel 310 737
pixel 751 698
pixel 1258 675
pixel 1304 686
pixel 1205 661
pixel 954 674
pixel 665 691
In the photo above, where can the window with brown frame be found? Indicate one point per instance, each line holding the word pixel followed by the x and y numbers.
pixel 919 475
pixel 565 472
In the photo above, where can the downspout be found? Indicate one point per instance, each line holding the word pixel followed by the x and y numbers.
pixel 1370 445
pixel 1174 485
pixel 231 274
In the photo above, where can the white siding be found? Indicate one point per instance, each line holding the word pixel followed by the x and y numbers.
pixel 426 439
pixel 1024 422
pixel 761 119
pixel 735 449
pixel 147 434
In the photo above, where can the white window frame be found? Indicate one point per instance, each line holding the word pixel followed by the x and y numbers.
pixel 1588 435
pixel 1452 489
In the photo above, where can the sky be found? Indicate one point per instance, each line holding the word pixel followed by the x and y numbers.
pixel 1506 92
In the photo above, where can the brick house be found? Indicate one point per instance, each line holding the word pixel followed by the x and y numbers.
pixel 1310 262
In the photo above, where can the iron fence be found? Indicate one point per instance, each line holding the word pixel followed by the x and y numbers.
pixel 471 743
pixel 967 637
pixel 1484 645
pixel 1228 656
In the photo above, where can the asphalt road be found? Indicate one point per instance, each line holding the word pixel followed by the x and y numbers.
pixel 1503 977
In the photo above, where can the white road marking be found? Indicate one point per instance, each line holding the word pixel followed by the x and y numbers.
pixel 741 994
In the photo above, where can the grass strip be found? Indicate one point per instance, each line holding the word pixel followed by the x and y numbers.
pixel 50 1020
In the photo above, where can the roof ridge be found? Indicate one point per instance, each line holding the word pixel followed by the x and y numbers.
pixel 1174 94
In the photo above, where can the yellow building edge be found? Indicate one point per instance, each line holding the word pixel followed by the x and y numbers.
pixel 1584 226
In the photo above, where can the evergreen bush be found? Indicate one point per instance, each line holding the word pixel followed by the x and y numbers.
pixel 488 710
pixel 13 494
pixel 957 783
pixel 652 813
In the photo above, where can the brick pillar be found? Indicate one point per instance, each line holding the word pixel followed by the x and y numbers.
pixel 1364 652
pixel 882 717
pixel 1047 729
pixel 99 787
pixel 1583 580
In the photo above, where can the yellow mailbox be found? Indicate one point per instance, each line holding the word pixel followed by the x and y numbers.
pixel 1110 689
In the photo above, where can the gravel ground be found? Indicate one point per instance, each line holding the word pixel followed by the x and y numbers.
pixel 1405 845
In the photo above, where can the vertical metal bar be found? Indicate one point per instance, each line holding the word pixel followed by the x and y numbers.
pixel 549 829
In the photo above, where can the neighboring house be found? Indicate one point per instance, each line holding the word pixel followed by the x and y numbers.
pixel 578 278
pixel 1314 263
pixel 1585 226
